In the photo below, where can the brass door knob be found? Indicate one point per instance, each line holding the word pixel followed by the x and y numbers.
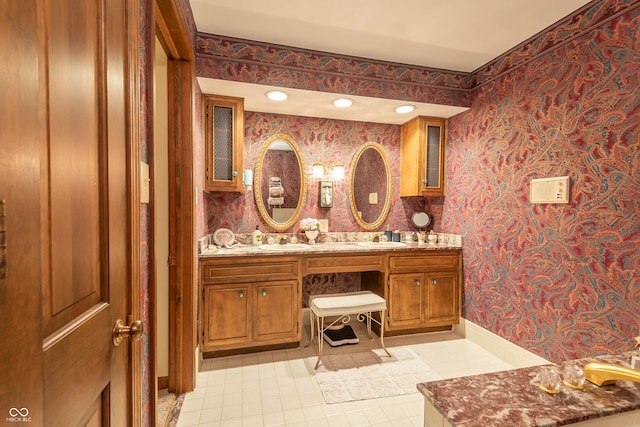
pixel 121 331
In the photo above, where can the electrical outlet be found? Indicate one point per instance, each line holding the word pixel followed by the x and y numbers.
pixel 144 182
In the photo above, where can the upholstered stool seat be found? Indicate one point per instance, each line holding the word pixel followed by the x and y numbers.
pixel 343 306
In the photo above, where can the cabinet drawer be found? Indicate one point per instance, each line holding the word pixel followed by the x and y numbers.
pixel 423 263
pixel 242 272
pixel 343 263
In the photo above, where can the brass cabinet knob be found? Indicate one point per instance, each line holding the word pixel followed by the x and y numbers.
pixel 121 331
pixel 240 294
pixel 417 282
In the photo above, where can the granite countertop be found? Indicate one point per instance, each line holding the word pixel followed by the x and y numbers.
pixel 513 398
pixel 320 248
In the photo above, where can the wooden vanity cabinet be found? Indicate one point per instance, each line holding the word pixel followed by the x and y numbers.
pixel 247 303
pixel 422 157
pixel 224 143
pixel 423 290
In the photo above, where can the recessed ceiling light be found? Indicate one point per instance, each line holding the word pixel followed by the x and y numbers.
pixel 343 102
pixel 403 109
pixel 276 95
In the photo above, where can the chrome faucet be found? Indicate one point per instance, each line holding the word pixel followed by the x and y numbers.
pixel 607 373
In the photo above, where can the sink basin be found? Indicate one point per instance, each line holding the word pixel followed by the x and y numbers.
pixel 284 248
pixel 382 244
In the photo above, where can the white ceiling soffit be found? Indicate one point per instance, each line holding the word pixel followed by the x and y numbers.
pixel 320 104
pixel 459 35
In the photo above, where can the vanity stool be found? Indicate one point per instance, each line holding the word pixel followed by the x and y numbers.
pixel 344 305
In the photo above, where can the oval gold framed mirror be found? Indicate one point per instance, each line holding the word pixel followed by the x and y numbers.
pixel 370 186
pixel 280 182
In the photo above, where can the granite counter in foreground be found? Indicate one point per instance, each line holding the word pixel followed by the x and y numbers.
pixel 512 398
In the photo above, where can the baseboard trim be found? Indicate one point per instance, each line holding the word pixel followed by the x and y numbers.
pixel 163 382
pixel 504 349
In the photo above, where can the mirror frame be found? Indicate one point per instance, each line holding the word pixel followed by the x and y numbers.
pixel 257 188
pixel 370 226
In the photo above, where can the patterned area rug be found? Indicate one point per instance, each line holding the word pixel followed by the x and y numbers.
pixel 168 408
pixel 369 375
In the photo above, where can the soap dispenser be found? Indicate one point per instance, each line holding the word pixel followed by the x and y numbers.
pixel 257 236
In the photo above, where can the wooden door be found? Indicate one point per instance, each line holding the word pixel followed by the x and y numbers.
pixel 406 300
pixel 276 311
pixel 442 302
pixel 66 214
pixel 226 313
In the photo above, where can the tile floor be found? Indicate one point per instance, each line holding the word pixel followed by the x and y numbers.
pixel 276 388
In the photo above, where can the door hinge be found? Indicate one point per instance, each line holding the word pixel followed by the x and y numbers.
pixel 171 260
pixel 206 173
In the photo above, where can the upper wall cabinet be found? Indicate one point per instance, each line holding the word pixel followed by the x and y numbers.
pixel 224 142
pixel 422 157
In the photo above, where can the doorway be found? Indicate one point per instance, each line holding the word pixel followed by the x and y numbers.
pixel 181 258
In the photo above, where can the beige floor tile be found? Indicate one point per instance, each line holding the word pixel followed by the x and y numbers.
pixel 276 388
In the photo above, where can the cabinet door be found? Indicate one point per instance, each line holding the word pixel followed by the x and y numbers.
pixel 276 311
pixel 422 157
pixel 432 183
pixel 226 316
pixel 224 142
pixel 406 300
pixel 443 307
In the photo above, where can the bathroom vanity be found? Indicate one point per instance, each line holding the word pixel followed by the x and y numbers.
pixel 252 295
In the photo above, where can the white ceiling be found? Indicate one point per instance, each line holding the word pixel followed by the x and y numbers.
pixel 458 35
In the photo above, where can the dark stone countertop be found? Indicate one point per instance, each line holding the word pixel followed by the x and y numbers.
pixel 513 398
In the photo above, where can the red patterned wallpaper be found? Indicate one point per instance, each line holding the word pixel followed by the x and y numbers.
pixel 559 280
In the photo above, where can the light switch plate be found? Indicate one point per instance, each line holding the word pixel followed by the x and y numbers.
pixel 144 182
pixel 549 190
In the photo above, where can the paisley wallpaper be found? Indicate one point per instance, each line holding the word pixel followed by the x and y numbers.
pixel 145 43
pixel 559 280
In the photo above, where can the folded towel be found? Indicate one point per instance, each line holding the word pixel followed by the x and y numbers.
pixel 276 191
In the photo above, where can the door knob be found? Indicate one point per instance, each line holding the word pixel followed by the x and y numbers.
pixel 121 331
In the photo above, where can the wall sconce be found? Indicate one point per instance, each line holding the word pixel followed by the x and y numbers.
pixel 338 172
pixel 322 171
pixel 247 178
pixel 318 170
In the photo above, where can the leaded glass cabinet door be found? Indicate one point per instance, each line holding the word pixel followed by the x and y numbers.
pixel 224 142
